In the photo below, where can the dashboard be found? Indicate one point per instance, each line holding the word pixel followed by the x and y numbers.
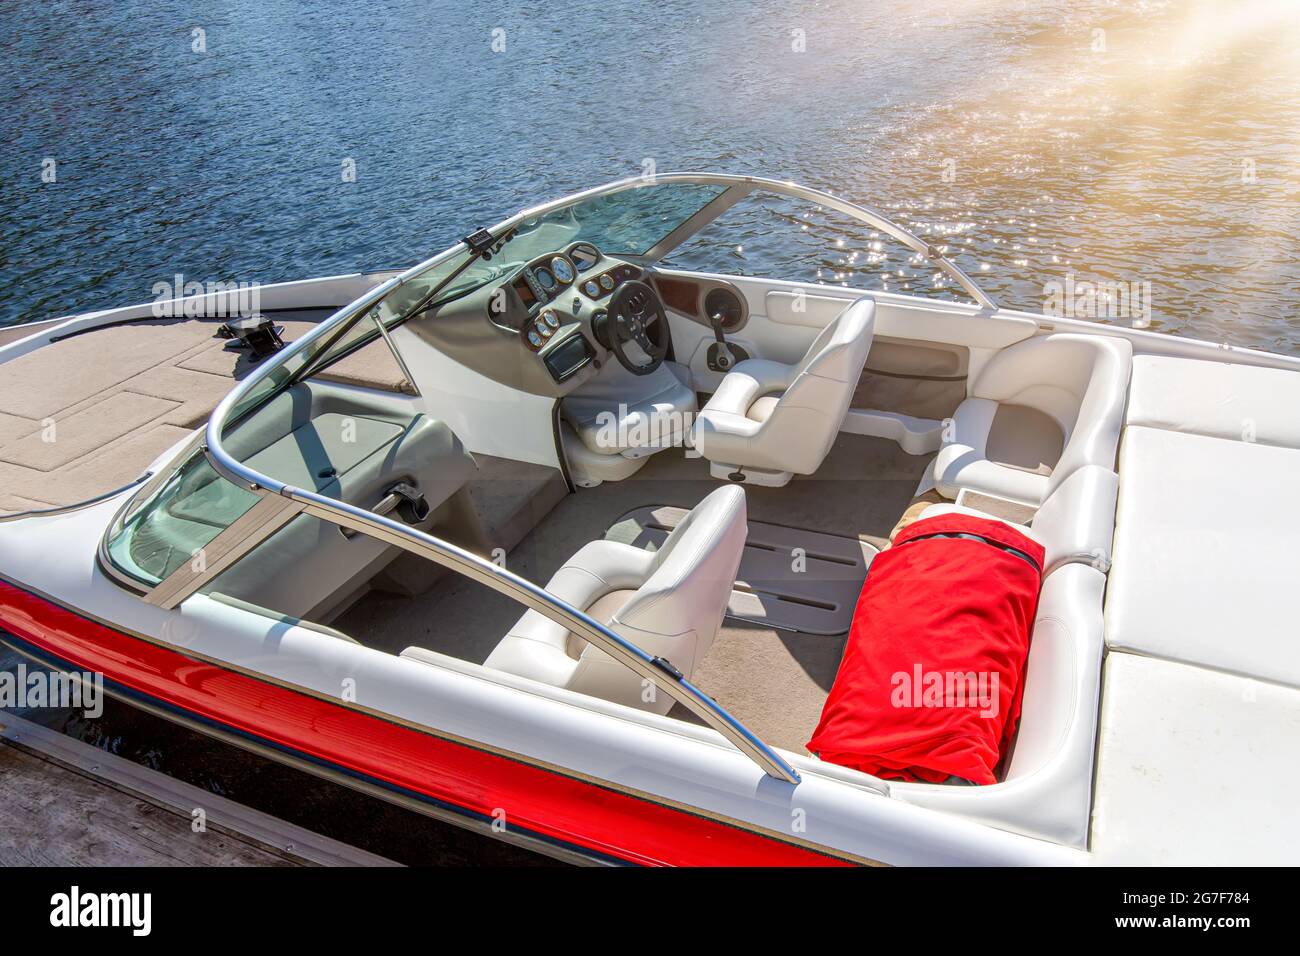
pixel 551 302
pixel 530 327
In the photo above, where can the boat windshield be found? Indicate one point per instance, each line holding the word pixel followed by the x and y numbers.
pixel 628 222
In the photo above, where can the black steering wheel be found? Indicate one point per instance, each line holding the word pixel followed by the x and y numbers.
pixel 636 314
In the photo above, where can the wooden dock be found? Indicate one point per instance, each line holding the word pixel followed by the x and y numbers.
pixel 66 803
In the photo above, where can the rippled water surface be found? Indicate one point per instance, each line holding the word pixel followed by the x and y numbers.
pixel 1138 142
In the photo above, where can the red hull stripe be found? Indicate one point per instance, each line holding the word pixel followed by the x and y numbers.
pixel 541 802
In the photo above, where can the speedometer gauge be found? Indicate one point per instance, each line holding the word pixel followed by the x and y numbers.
pixel 563 271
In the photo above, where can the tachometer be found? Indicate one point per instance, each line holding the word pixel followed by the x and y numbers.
pixel 584 257
pixel 563 271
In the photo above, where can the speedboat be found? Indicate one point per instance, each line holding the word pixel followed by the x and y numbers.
pixel 552 540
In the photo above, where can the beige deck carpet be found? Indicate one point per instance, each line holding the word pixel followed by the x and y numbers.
pixel 88 413
pixel 775 681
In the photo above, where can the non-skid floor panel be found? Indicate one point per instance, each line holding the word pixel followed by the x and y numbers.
pixel 789 578
pixel 64 441
pixel 117 394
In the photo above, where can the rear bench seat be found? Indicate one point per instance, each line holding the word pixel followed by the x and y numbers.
pixel 1047 788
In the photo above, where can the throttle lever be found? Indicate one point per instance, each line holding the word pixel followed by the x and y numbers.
pixel 723 358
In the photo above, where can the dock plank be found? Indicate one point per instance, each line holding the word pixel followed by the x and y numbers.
pixel 52 816
pixel 64 802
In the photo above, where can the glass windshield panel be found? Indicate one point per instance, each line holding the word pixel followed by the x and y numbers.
pixel 628 222
pixel 189 510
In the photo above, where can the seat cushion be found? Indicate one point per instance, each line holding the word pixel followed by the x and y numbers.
pixel 546 650
pixel 741 429
pixel 1194 767
pixel 1047 791
pixel 762 409
pixel 963 461
pixel 632 415
pixel 1206 562
pixel 667 602
pixel 1217 399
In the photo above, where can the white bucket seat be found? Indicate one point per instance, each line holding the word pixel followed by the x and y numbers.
pixel 770 421
pixel 1039 411
pixel 668 602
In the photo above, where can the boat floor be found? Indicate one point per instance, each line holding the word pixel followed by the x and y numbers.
pixel 88 413
pixel 775 681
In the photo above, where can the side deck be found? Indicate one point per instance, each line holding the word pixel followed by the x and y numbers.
pixel 89 411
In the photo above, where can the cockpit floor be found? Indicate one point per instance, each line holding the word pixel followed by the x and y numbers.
pixel 775 681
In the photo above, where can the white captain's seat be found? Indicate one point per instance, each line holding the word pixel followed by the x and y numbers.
pixel 1039 411
pixel 668 602
pixel 617 421
pixel 769 421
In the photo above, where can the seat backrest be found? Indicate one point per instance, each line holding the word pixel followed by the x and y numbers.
pixel 692 575
pixel 1080 381
pixel 840 350
pixel 808 415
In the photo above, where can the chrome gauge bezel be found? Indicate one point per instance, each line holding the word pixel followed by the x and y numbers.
pixel 586 249
pixel 562 263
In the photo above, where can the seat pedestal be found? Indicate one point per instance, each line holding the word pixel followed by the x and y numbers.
pixel 750 476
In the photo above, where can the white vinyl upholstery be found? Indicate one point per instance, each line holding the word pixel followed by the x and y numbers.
pixel 633 415
pixel 1194 767
pixel 1075 525
pixel 1078 381
pixel 1206 563
pixel 784 418
pixel 668 602
pixel 1217 399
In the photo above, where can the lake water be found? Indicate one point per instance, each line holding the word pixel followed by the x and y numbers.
pixel 1154 142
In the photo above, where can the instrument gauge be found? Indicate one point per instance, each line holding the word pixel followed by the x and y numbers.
pixel 591 289
pixel 542 328
pixel 563 271
pixel 552 320
pixel 545 279
pixel 607 282
pixel 534 339
pixel 584 257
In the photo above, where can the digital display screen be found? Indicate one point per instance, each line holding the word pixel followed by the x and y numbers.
pixel 567 357
pixel 525 292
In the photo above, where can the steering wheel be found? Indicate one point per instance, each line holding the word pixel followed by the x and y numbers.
pixel 636 314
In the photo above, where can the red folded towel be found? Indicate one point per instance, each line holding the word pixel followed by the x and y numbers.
pixel 933 671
